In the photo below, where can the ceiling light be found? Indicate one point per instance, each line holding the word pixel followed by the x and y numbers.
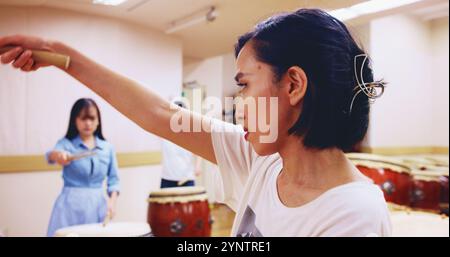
pixel 208 16
pixel 375 6
pixel 369 7
pixel 109 2
pixel 343 14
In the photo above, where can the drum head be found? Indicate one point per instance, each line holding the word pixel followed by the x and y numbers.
pixel 438 160
pixel 178 191
pixel 178 194
pixel 114 229
pixel 378 162
pixel 419 224
pixel 438 170
pixel 427 175
pixel 424 163
pixel 415 161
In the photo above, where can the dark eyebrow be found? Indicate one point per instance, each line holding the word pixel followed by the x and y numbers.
pixel 239 76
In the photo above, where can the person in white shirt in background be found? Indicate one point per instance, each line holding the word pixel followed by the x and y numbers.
pixel 179 166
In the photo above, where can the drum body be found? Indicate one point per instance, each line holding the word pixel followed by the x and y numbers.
pixel 113 229
pixel 179 212
pixel 430 186
pixel 444 194
pixel 438 177
pixel 440 173
pixel 426 191
pixel 393 177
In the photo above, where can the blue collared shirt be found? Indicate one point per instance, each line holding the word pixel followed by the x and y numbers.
pixel 91 171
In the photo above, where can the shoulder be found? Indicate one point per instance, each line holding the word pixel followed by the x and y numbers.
pixel 264 169
pixel 360 207
pixel 105 145
pixel 267 161
pixel 359 198
pixel 64 141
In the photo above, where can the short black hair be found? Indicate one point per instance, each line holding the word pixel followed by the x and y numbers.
pixel 78 106
pixel 324 48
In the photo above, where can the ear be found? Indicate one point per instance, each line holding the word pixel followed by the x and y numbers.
pixel 298 83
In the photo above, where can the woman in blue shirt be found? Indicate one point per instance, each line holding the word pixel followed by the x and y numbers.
pixel 82 199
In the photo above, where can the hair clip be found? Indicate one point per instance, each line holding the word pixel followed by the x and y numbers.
pixel 368 88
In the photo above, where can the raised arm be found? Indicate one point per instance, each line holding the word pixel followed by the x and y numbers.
pixel 138 103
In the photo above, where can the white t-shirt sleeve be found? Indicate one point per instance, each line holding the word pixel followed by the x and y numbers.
pixel 354 224
pixel 234 156
pixel 361 214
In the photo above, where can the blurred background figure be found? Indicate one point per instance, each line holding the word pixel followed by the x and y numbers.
pixel 179 166
pixel 87 159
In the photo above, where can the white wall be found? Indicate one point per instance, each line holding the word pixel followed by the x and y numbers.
pixel 440 81
pixel 401 53
pixel 38 116
pixel 34 108
pixel 229 87
pixel 207 73
pixel 361 34
pixel 216 74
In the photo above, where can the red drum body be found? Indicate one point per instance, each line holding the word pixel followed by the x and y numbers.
pixel 179 212
pixel 444 194
pixel 430 190
pixel 426 192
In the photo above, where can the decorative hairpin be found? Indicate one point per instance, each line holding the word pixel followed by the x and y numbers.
pixel 368 88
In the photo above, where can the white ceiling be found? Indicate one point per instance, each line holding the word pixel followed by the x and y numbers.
pixel 435 11
pixel 199 41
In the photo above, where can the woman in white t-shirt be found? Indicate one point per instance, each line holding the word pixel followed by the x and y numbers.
pixel 298 183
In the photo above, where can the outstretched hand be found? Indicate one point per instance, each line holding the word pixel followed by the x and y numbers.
pixel 20 55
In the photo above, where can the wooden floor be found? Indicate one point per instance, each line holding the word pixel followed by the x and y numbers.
pixel 223 218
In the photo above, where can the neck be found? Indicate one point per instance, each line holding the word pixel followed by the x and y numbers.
pixel 86 138
pixel 314 168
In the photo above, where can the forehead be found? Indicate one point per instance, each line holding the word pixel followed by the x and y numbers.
pixel 247 65
pixel 89 110
pixel 246 61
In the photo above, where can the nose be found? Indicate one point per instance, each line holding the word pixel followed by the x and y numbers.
pixel 88 123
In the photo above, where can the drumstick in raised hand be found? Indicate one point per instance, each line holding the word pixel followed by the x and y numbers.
pixel 58 60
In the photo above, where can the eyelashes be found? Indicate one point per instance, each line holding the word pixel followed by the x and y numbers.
pixel 241 84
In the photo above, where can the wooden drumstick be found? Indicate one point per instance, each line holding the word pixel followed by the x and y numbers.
pixel 181 182
pixel 58 60
pixel 107 219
